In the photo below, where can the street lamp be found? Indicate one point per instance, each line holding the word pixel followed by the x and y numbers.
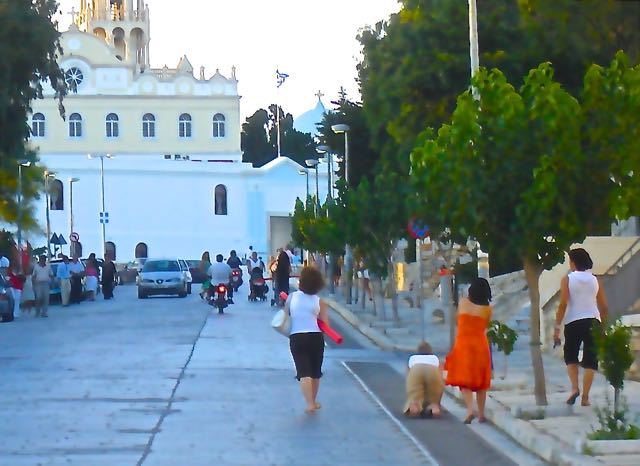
pixel 47 175
pixel 103 214
pixel 71 242
pixel 348 253
pixel 21 163
pixel 304 171
pixel 313 163
pixel 327 151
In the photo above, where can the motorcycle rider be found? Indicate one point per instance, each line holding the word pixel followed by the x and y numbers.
pixel 234 262
pixel 254 262
pixel 221 273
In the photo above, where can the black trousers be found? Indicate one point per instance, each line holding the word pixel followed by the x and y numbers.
pixel 76 290
pixel 107 289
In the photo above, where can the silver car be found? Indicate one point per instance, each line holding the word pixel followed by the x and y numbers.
pixel 162 277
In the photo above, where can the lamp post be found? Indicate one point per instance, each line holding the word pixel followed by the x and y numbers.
pixel 348 253
pixel 47 175
pixel 104 216
pixel 305 172
pixel 327 151
pixel 21 163
pixel 71 242
pixel 313 163
pixel 473 42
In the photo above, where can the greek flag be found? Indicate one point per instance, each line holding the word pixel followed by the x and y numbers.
pixel 281 77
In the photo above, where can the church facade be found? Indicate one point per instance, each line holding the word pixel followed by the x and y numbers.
pixel 148 161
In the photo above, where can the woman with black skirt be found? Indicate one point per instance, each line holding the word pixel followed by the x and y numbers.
pixel 582 308
pixel 306 340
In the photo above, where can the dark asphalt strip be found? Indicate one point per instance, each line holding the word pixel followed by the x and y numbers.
pixel 449 441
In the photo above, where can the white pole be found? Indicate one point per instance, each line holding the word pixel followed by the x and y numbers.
pixel 104 238
pixel 473 40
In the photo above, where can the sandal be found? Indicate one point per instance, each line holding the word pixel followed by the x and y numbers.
pixel 482 419
pixel 572 399
pixel 469 418
pixel 585 402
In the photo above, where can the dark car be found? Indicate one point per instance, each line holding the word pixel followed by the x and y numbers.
pixel 197 275
pixel 6 300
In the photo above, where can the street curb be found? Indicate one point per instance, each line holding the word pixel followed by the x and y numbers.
pixel 528 436
pixel 376 337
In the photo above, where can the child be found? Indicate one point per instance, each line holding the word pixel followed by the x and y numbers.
pixel 424 383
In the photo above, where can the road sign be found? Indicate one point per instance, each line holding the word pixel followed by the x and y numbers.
pixel 417 229
pixel 104 217
pixel 75 237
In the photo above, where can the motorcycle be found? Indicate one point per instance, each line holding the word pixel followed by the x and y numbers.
pixel 218 298
pixel 236 279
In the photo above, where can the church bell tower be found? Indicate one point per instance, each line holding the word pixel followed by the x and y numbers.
pixel 123 24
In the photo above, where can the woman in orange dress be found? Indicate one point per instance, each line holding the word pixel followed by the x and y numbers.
pixel 468 365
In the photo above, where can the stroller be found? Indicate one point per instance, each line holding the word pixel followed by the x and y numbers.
pixel 257 285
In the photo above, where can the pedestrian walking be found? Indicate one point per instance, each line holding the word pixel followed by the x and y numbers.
pixel 91 277
pixel 16 280
pixel 108 277
pixel 306 341
pixel 582 309
pixel 41 280
pixel 424 383
pixel 283 272
pixel 28 297
pixel 468 365
pixel 203 267
pixel 63 274
pixel 77 274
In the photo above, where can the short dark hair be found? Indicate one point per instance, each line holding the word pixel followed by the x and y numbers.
pixel 233 252
pixel 219 258
pixel 480 292
pixel 424 348
pixel 581 259
pixel 311 280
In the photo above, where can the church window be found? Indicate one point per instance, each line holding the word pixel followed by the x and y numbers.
pixel 218 125
pixel 75 125
pixel 148 126
pixel 184 125
pixel 220 200
pixel 112 125
pixel 37 125
pixel 56 195
pixel 73 77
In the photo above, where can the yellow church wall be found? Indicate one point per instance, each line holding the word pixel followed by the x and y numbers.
pixel 130 110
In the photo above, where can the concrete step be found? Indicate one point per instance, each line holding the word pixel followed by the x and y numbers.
pixel 384 324
pixel 396 332
pixel 620 460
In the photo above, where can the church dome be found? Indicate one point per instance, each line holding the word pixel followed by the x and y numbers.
pixel 306 123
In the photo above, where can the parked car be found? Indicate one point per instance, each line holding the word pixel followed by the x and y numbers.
pixel 162 277
pixel 128 273
pixel 55 289
pixel 187 274
pixel 6 300
pixel 196 274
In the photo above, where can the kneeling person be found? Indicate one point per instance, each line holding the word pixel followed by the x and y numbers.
pixel 424 382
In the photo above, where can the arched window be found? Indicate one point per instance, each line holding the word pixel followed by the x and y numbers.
pixel 75 125
pixel 112 125
pixel 148 126
pixel 184 125
pixel 37 125
pixel 218 125
pixel 220 200
pixel 56 195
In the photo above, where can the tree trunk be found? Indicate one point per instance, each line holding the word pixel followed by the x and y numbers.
pixel 532 273
pixel 616 400
pixel 383 306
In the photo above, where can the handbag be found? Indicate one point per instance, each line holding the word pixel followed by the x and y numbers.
pixel 281 321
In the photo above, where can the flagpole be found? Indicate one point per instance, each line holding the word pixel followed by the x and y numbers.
pixel 278 118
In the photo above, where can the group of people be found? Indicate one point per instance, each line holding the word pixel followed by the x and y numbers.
pixel 582 309
pixel 31 284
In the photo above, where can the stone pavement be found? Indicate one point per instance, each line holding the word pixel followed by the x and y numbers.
pixel 556 433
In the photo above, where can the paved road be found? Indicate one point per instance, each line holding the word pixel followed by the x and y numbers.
pixel 164 381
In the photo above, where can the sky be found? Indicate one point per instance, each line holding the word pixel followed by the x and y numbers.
pixel 314 42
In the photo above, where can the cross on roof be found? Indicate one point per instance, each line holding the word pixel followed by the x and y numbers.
pixel 73 13
pixel 319 95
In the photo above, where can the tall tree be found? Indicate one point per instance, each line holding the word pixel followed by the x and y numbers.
pixel 259 138
pixel 528 172
pixel 29 46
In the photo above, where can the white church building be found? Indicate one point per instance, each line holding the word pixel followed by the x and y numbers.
pixel 148 160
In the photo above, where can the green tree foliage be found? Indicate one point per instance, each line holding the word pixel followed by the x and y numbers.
pixel 29 47
pixel 259 138
pixel 362 158
pixel 315 229
pixel 614 352
pixel 510 169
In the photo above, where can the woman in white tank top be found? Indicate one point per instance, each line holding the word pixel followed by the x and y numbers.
pixel 582 307
pixel 306 341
